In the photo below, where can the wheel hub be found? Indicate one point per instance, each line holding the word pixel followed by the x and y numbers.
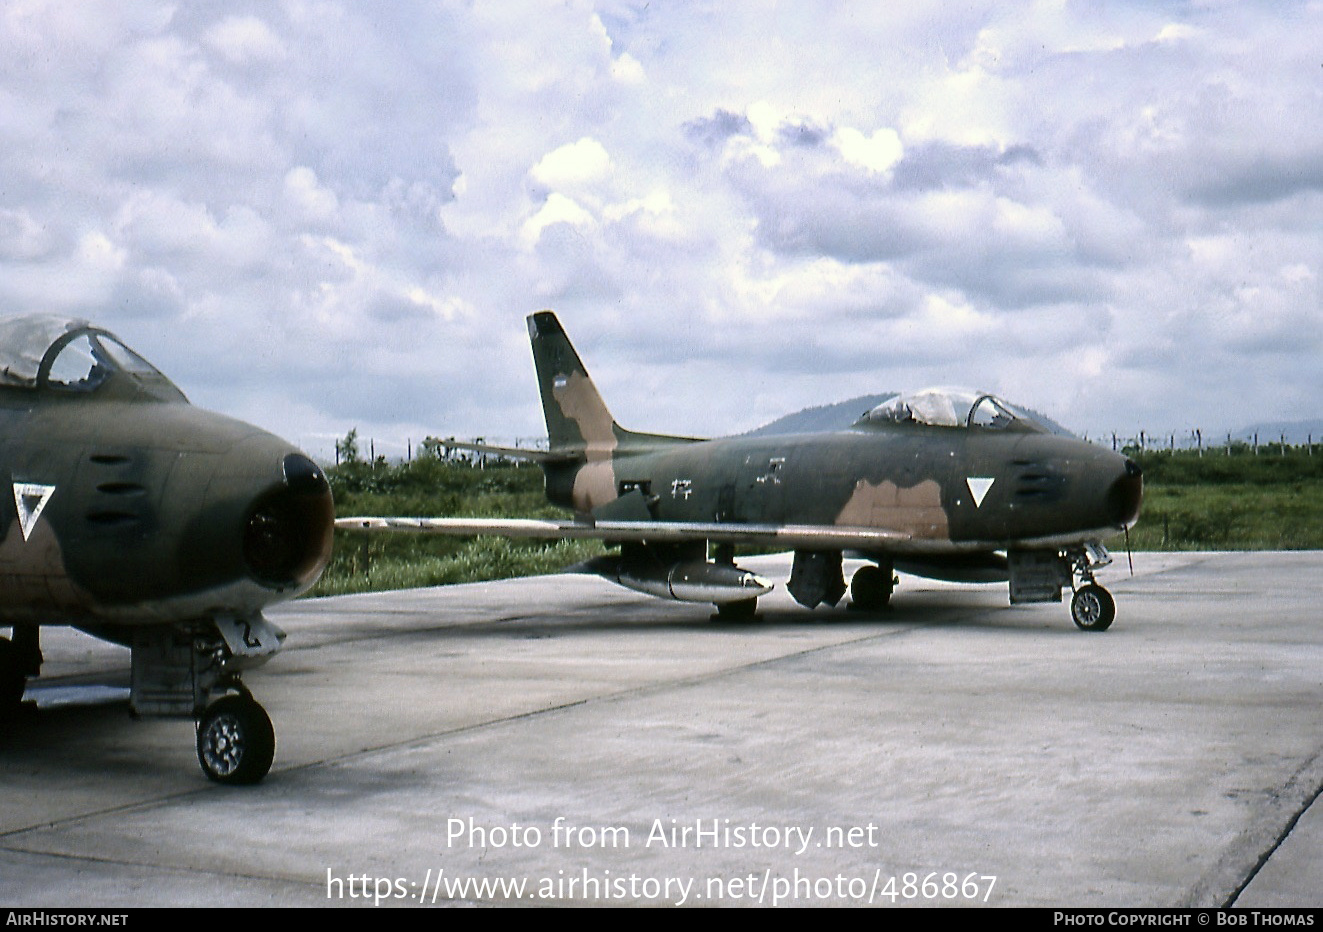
pixel 223 745
pixel 1088 609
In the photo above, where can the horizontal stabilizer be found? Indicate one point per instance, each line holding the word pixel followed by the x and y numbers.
pixel 514 453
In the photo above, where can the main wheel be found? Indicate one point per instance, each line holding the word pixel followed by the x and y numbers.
pixel 740 610
pixel 1093 608
pixel 236 743
pixel 12 681
pixel 870 588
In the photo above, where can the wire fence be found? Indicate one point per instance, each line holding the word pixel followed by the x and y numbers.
pixel 1253 443
pixel 457 449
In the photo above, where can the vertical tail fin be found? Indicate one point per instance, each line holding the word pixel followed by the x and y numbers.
pixel 577 418
pixel 583 438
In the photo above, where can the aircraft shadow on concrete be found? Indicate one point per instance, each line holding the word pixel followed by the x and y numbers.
pixel 925 609
pixel 96 738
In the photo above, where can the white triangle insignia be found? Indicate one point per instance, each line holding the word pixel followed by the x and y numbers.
pixel 978 488
pixel 31 499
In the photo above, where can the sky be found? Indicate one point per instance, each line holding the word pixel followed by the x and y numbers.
pixel 322 216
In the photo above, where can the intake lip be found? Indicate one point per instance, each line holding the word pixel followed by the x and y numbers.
pixel 288 534
pixel 1125 495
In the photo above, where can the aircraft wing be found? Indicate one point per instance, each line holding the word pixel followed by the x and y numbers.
pixel 791 536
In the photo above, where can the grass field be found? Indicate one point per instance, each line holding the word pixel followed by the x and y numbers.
pixel 370 562
pixel 1243 501
pixel 1238 502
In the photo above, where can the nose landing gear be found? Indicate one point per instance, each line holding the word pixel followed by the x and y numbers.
pixel 193 670
pixel 1092 607
pixel 236 741
pixel 1040 575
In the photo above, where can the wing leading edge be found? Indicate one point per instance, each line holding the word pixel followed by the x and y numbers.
pixel 791 536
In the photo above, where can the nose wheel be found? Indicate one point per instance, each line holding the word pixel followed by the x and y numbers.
pixel 1093 608
pixel 236 741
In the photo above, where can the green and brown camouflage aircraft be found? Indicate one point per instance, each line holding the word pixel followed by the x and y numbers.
pixel 947 484
pixel 145 521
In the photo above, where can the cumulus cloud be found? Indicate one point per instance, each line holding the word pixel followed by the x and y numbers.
pixel 877 153
pixel 244 39
pixel 556 209
pixel 574 165
pixel 307 196
pixel 1109 215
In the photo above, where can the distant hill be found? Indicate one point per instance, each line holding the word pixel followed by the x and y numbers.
pixel 1297 432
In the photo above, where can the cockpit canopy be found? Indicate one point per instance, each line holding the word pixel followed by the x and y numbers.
pixel 70 355
pixel 953 407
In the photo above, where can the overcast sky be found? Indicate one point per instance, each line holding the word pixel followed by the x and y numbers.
pixel 318 216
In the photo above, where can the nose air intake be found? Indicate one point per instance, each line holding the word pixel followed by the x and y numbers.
pixel 1125 495
pixel 287 538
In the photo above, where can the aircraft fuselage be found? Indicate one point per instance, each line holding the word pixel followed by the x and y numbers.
pixel 145 512
pixel 946 490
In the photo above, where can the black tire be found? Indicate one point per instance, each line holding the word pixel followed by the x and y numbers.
pixel 742 610
pixel 1093 608
pixel 870 589
pixel 236 742
pixel 12 681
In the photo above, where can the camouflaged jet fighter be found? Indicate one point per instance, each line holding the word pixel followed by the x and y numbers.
pixel 142 520
pixel 947 484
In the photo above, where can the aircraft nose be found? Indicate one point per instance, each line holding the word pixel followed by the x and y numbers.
pixel 288 533
pixel 1125 494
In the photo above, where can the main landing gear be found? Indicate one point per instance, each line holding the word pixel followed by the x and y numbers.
pixel 12 681
pixel 871 588
pixel 740 610
pixel 737 610
pixel 20 658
